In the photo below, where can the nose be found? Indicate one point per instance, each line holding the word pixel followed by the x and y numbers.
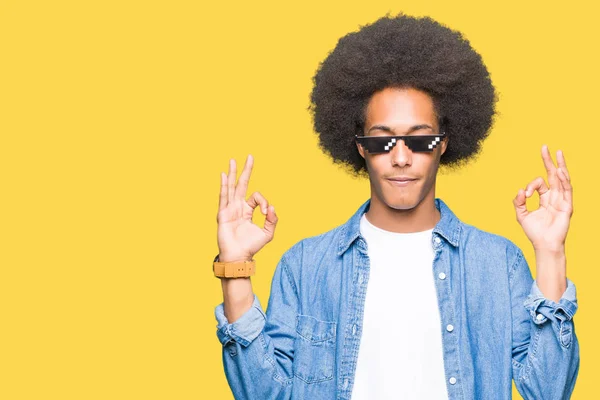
pixel 401 155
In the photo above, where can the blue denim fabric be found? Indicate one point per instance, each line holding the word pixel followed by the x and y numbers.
pixel 306 345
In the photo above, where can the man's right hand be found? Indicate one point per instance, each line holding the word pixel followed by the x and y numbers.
pixel 238 237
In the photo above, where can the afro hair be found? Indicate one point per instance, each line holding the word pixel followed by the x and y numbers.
pixel 402 51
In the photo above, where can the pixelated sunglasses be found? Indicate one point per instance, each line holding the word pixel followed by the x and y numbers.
pixel 384 144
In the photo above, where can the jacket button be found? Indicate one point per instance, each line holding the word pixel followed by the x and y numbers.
pixel 442 275
pixel 539 317
pixel 449 328
pixel 452 380
pixel 437 240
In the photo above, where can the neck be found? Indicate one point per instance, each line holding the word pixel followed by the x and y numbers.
pixel 422 217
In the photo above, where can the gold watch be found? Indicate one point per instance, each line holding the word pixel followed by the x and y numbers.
pixel 238 269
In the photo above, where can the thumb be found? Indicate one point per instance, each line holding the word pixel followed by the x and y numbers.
pixel 270 221
pixel 520 205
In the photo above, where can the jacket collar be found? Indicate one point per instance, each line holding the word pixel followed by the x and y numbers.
pixel 448 226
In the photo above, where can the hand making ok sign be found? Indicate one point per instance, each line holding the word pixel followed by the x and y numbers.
pixel 547 226
pixel 237 236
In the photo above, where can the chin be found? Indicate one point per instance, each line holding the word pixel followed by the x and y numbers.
pixel 405 203
pixel 402 206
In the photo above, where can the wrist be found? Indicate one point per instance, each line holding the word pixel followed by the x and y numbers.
pixel 230 257
pixel 550 249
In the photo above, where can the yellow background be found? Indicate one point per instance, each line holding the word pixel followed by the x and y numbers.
pixel 117 117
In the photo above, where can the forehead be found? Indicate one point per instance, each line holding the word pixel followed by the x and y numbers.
pixel 400 108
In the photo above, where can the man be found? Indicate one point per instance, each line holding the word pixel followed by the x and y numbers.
pixel 404 300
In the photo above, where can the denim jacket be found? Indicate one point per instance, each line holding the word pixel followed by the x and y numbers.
pixel 306 345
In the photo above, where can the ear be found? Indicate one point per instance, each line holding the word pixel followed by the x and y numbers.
pixel 360 149
pixel 443 145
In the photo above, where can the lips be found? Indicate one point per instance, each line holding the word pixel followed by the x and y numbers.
pixel 401 182
pixel 401 179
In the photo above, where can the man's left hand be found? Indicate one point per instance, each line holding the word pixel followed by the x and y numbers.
pixel 547 226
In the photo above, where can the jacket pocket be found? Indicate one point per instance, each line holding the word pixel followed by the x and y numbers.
pixel 314 349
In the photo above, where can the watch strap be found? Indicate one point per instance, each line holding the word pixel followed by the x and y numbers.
pixel 239 269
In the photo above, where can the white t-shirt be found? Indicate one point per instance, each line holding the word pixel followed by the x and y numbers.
pixel 400 355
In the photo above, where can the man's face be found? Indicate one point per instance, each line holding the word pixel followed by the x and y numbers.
pixel 404 111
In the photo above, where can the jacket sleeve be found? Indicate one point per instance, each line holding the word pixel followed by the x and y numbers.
pixel 545 350
pixel 258 348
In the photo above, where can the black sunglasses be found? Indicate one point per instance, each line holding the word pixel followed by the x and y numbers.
pixel 384 144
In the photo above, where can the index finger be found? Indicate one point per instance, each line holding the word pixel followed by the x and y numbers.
pixel 242 186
